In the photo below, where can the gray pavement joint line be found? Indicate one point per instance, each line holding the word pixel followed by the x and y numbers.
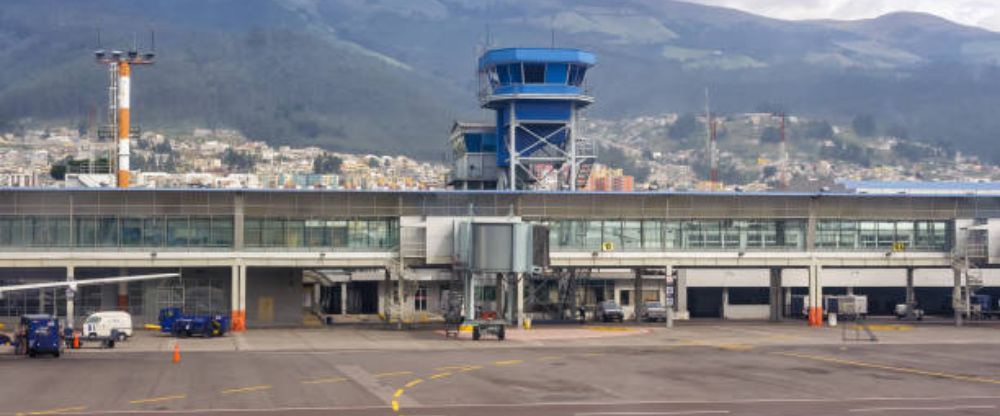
pixel 677 413
pixel 542 404
pixel 910 409
pixel 371 384
pixel 905 370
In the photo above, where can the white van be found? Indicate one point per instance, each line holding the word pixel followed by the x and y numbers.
pixel 100 324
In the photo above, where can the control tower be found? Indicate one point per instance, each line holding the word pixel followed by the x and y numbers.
pixel 536 93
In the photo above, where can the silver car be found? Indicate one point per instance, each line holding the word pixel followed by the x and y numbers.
pixel 654 311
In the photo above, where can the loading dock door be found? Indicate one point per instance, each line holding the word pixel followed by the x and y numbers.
pixel 705 302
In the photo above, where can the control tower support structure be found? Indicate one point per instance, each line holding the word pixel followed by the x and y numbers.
pixel 537 94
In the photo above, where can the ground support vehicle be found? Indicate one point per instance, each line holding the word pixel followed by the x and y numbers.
pixel 175 323
pixel 37 334
pixel 488 324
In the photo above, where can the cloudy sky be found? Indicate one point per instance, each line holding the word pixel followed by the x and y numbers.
pixel 982 13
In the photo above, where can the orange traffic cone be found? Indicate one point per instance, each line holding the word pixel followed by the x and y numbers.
pixel 177 353
pixel 76 340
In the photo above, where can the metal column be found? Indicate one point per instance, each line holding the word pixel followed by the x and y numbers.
pixel 519 287
pixel 911 295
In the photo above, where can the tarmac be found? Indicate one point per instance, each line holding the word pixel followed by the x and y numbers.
pixel 695 368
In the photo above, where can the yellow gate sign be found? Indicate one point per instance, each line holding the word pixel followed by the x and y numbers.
pixel 607 246
pixel 899 246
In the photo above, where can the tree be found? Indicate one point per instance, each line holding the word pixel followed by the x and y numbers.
pixel 327 164
pixel 58 171
pixel 238 161
pixel 684 127
pixel 864 125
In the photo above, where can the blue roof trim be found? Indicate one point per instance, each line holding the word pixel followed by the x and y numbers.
pixel 492 192
pixel 510 55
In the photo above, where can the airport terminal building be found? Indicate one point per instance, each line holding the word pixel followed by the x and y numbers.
pixel 302 257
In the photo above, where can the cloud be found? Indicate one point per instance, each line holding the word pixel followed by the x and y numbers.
pixel 981 13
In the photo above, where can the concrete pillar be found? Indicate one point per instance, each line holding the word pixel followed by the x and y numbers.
pixel 774 296
pixel 637 294
pixel 70 296
pixel 815 296
pixel 911 295
pixel 725 302
pixel 669 295
pixel 956 295
pixel 400 297
pixel 343 298
pixel 519 287
pixel 387 297
pixel 681 296
pixel 238 297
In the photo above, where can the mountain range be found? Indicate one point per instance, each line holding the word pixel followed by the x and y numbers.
pixel 389 76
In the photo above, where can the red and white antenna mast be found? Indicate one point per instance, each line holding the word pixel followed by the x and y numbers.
pixel 119 96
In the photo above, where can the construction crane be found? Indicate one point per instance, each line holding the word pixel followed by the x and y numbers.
pixel 119 91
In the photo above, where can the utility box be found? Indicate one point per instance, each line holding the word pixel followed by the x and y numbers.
pixel 851 305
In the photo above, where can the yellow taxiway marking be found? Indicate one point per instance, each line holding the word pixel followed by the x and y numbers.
pixel 906 370
pixel 881 327
pixel 395 406
pixel 451 367
pixel 393 374
pixel 55 411
pixel 439 375
pixel 324 380
pixel 470 368
pixel 159 399
pixel 610 328
pixel 735 347
pixel 399 392
pixel 247 389
pixel 507 362
pixel 592 354
pixel 413 382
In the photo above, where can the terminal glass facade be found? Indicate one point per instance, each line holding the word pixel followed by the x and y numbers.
pixel 108 231
pixel 355 234
pixel 181 232
pixel 667 235
pixel 882 235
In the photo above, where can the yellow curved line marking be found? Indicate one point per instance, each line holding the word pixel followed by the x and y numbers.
pixel 439 375
pixel 413 382
pixel 395 406
pixel 159 399
pixel 508 362
pixel 247 389
pixel 54 411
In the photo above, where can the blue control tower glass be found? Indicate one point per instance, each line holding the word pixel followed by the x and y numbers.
pixel 536 93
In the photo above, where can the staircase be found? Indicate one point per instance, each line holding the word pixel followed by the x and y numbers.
pixel 586 153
